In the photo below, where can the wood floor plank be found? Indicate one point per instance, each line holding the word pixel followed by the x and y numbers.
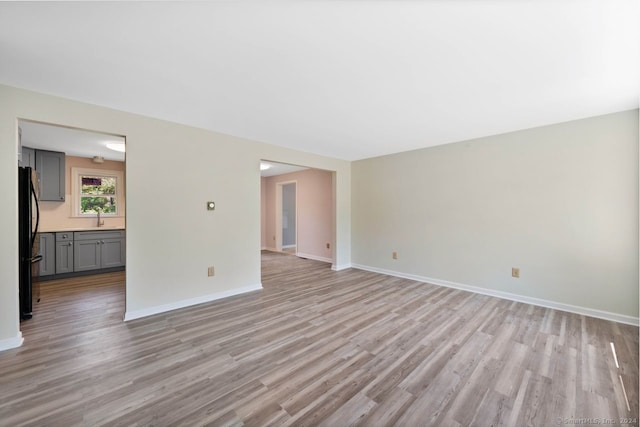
pixel 314 347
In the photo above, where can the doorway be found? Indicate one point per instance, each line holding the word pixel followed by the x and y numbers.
pixel 81 230
pixel 297 211
pixel 286 217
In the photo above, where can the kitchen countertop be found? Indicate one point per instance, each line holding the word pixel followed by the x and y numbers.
pixel 69 230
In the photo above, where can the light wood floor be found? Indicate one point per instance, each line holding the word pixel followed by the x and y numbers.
pixel 315 347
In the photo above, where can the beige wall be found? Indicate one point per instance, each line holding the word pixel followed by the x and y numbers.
pixel 560 202
pixel 171 237
pixel 314 204
pixel 58 216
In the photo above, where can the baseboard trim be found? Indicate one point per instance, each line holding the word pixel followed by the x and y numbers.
pixel 137 314
pixel 313 257
pixel 600 314
pixel 288 246
pixel 9 343
pixel 335 267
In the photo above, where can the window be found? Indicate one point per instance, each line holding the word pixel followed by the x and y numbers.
pixel 96 190
pixel 98 194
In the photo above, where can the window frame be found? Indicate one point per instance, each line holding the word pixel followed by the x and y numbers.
pixel 76 189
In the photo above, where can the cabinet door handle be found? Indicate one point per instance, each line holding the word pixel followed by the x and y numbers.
pixel 70 243
pixel 102 242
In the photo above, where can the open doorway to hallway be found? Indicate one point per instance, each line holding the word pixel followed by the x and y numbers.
pixel 297 211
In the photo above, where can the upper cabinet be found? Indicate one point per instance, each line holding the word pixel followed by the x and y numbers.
pixel 51 170
pixel 28 158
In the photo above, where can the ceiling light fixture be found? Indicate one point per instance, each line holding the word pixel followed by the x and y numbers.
pixel 116 146
pixel 264 166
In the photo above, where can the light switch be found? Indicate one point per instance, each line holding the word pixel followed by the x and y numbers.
pixel 211 206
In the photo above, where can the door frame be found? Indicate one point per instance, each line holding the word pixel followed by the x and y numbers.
pixel 279 186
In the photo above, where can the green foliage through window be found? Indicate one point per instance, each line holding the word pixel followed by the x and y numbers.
pixel 98 193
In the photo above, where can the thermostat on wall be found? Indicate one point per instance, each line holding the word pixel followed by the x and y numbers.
pixel 211 206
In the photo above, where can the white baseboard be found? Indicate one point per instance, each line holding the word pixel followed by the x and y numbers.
pixel 313 257
pixel 137 314
pixel 300 254
pixel 335 267
pixel 9 343
pixel 606 315
pixel 288 246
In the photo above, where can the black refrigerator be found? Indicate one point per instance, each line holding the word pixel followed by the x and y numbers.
pixel 28 221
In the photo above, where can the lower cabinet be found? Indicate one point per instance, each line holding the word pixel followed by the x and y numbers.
pixel 112 252
pixel 64 253
pixel 70 252
pixel 95 250
pixel 48 251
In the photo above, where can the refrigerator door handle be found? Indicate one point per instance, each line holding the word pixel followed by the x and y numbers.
pixel 35 197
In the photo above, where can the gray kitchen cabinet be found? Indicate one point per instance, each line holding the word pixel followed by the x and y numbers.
pixel 48 252
pixel 51 170
pixel 112 252
pixel 64 253
pixel 98 249
pixel 86 255
pixel 28 158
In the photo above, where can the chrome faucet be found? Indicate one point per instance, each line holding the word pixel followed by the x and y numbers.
pixel 100 223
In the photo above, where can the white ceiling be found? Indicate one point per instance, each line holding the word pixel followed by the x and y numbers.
pixel 349 79
pixel 279 169
pixel 72 142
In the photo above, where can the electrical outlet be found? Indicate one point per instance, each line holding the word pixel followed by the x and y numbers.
pixel 515 272
pixel 211 271
pixel 394 255
pixel 328 246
